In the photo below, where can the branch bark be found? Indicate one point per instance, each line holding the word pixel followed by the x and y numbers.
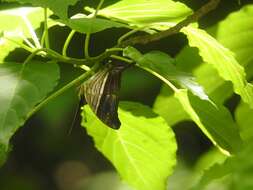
pixel 211 5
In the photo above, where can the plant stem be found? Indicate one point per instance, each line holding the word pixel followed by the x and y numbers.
pixel 122 59
pixel 30 57
pixel 66 44
pixel 19 44
pixel 98 8
pixel 42 40
pixel 175 89
pixel 55 55
pixel 114 49
pixel 29 43
pixel 86 46
pixel 32 32
pixel 87 37
pixel 73 83
pixel 46 29
pixel 126 35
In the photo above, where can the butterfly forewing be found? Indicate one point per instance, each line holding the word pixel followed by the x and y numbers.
pixel 93 89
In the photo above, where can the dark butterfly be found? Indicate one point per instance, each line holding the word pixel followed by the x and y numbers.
pixel 101 92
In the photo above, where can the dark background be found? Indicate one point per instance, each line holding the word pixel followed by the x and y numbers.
pixel 45 156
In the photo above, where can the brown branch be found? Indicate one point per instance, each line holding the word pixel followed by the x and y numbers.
pixel 211 5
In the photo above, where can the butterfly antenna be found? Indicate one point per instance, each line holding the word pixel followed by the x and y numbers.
pixel 74 119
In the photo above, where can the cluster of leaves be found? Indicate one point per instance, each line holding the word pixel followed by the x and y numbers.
pixel 143 150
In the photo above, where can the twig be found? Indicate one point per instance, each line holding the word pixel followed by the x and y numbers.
pixel 211 5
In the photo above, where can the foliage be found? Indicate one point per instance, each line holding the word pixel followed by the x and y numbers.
pixel 212 67
pixel 135 145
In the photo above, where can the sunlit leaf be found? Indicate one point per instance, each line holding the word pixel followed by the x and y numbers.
pixel 167 106
pixel 17 25
pixel 215 121
pixel 236 24
pixel 236 33
pixel 222 59
pixel 59 7
pixel 243 116
pixel 160 13
pixel 91 25
pixel 163 66
pixel 202 112
pixel 238 169
pixel 143 150
pixel 205 162
pixel 20 89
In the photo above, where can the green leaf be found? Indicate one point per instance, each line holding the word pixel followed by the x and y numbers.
pixel 167 106
pixel 218 90
pixel 91 25
pixel 59 7
pixel 215 121
pixel 236 24
pixel 143 150
pixel 208 159
pixel 222 60
pixel 24 20
pixel 21 88
pixel 215 172
pixel 163 66
pixel 243 116
pixel 236 33
pixel 159 13
pixel 238 169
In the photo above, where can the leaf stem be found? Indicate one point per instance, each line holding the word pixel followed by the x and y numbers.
pixel 19 44
pixel 126 35
pixel 87 37
pixel 32 32
pixel 42 40
pixel 122 58
pixel 73 83
pixel 30 57
pixel 86 46
pixel 29 43
pixel 59 57
pixel 55 55
pixel 47 43
pixel 98 8
pixel 66 44
pixel 174 88
pixel 114 49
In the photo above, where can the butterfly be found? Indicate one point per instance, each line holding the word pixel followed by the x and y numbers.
pixel 101 93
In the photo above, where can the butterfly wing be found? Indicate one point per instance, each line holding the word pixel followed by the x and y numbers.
pixel 93 89
pixel 109 102
pixel 101 93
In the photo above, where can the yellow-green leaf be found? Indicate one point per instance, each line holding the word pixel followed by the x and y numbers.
pixel 222 59
pixel 143 150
